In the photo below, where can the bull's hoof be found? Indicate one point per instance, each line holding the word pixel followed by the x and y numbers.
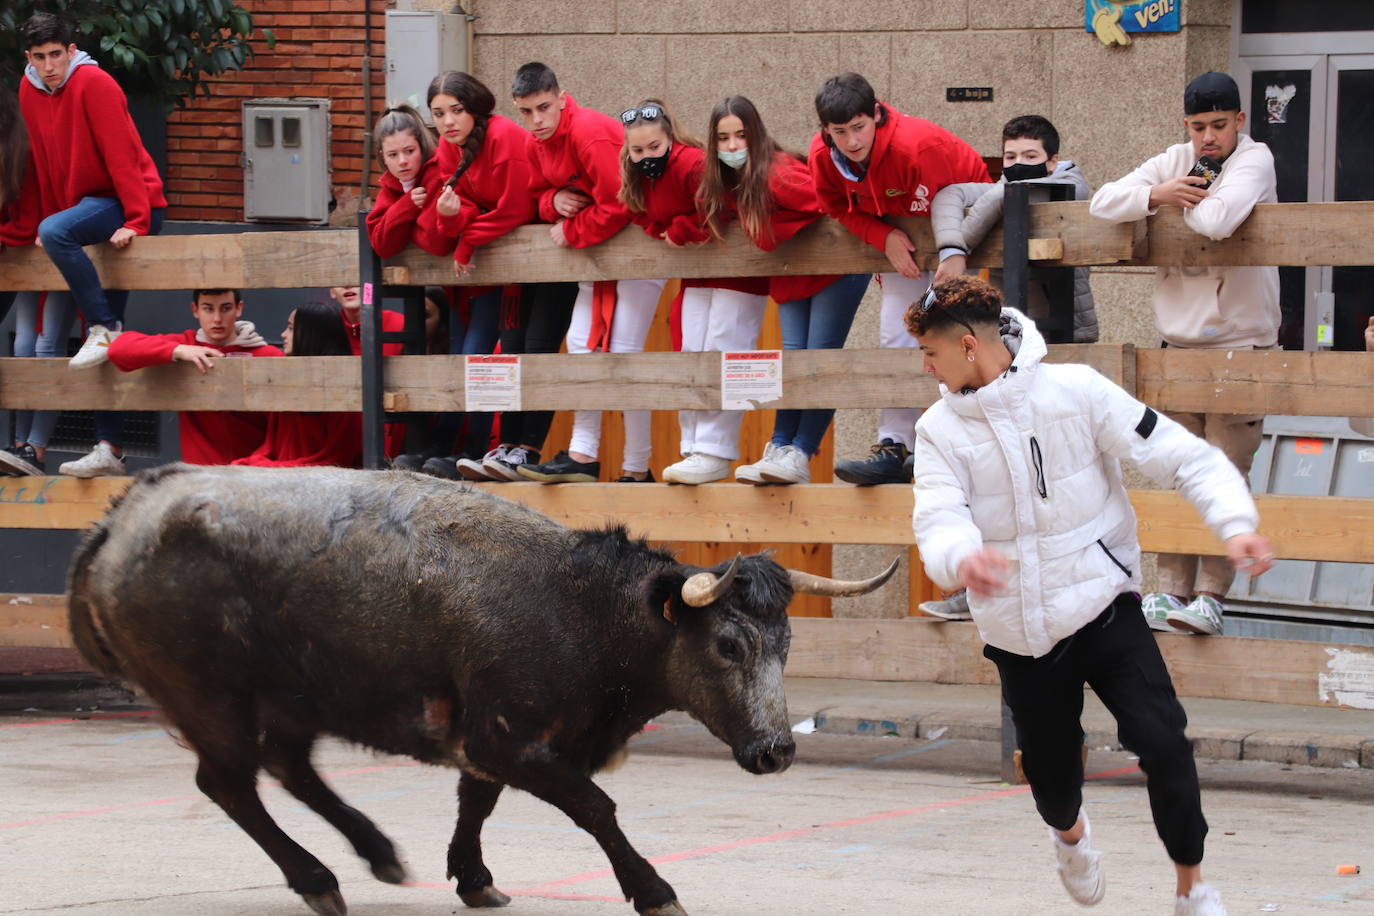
pixel 487 896
pixel 671 908
pixel 390 872
pixel 330 904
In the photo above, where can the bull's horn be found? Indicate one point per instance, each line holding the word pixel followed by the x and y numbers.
pixel 809 584
pixel 703 588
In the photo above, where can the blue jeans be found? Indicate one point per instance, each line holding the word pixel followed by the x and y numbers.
pixel 818 323
pixel 35 426
pixel 91 221
pixel 484 327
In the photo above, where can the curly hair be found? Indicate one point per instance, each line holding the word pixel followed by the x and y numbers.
pixel 966 301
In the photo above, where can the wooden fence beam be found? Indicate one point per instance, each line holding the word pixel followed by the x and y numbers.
pixel 1281 382
pixel 1302 527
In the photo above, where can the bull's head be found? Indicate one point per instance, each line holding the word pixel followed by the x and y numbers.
pixel 730 646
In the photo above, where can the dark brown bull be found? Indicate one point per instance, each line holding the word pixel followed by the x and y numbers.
pixel 262 608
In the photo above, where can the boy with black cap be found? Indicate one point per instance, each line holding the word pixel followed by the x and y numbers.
pixel 1205 307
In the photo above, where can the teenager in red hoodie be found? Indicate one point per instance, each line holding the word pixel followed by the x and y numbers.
pixel 870 161
pixel 96 183
pixel 410 180
pixel 771 192
pixel 207 436
pixel 576 160
pixel 324 438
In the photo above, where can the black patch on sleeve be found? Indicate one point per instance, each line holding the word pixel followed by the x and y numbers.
pixel 1147 423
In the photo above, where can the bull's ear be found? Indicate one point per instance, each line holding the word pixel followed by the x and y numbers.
pixel 663 593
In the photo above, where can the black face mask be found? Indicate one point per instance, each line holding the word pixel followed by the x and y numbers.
pixel 1023 171
pixel 653 166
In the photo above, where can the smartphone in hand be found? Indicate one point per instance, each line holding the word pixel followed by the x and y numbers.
pixel 1207 169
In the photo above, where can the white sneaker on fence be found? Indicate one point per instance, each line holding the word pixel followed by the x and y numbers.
pixel 101 462
pixel 475 468
pixel 788 465
pixel 749 473
pixel 955 607
pixel 697 468
pixel 1202 615
pixel 1080 866
pixel 96 349
pixel 505 467
pixel 1202 900
pixel 1156 606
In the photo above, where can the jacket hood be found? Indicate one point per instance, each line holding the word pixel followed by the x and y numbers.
pixel 1027 348
pixel 79 59
pixel 245 336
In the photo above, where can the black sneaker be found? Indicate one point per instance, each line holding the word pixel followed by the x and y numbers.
pixel 412 461
pixel 886 463
pixel 648 478
pixel 20 461
pixel 445 467
pixel 562 469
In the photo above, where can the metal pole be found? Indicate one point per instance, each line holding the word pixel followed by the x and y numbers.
pixel 374 415
pixel 1016 246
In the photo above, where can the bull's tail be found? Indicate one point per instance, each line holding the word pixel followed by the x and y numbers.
pixel 81 611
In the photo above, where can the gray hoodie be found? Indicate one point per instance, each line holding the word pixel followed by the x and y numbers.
pixel 79 59
pixel 953 229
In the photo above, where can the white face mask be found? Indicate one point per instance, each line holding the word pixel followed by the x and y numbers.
pixel 733 158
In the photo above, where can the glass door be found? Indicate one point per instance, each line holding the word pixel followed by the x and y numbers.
pixel 1349 176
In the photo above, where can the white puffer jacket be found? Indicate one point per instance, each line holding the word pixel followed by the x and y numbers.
pixel 1030 465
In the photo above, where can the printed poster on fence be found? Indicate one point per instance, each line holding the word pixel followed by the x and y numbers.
pixel 492 383
pixel 750 379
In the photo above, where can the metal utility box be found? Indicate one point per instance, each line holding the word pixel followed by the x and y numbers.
pixel 420 45
pixel 286 175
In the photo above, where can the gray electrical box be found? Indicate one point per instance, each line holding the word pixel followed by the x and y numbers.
pixel 420 45
pixel 286 174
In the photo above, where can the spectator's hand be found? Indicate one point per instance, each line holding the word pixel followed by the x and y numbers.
pixel 1186 192
pixel 950 267
pixel 194 353
pixel 122 236
pixel 568 202
pixel 665 238
pixel 418 196
pixel 461 270
pixel 449 203
pixel 899 250
pixel 1252 547
pixel 984 572
pixel 556 233
pixel 38 241
pixel 1369 335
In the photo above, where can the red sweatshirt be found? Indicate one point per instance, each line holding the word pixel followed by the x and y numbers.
pixel 391 321
pixel 85 145
pixel 794 208
pixel 495 190
pixel 301 439
pixel 19 218
pixel 207 436
pixel 583 153
pixel 395 222
pixel 912 159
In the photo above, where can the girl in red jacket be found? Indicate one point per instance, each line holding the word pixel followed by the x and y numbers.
pixel 771 192
pixel 410 179
pixel 301 439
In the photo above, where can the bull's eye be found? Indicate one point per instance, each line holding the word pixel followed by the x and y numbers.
pixel 728 649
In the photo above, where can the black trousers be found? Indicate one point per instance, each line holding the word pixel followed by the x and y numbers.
pixel 1117 656
pixel 545 313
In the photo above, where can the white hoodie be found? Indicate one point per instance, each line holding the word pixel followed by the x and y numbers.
pixel 1209 307
pixel 1029 465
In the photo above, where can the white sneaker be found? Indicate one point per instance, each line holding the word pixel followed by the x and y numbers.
pixel 1202 900
pixel 95 350
pixel 505 467
pixel 749 473
pixel 475 468
pixel 788 465
pixel 101 462
pixel 955 607
pixel 1080 866
pixel 697 468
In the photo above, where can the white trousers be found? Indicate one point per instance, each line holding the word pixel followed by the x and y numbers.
pixel 636 303
pixel 716 320
pixel 899 423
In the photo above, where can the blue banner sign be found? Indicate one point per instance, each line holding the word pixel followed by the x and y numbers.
pixel 1148 16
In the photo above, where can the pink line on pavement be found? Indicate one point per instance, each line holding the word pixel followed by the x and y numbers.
pixel 551 895
pixel 805 831
pixel 109 715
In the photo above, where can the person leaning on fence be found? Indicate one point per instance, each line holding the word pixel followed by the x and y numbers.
pixel 207 436
pixel 1365 425
pixel 410 180
pixel 485 193
pixel 771 192
pixel 300 439
pixel 18 193
pixel 575 154
pixel 870 161
pixel 1019 498
pixel 96 183
pixel 1232 308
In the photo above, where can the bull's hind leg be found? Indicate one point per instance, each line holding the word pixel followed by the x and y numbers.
pixel 476 799
pixel 286 755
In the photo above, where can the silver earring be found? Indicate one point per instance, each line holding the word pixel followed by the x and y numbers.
pixel 970 357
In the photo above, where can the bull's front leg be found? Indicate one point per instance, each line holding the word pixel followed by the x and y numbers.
pixel 476 799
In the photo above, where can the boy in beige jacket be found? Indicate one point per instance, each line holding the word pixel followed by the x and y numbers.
pixel 1228 308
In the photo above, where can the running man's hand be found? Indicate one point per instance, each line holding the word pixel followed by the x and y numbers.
pixel 899 250
pixel 984 572
pixel 194 353
pixel 1253 548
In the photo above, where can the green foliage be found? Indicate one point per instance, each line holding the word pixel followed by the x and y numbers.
pixel 158 50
